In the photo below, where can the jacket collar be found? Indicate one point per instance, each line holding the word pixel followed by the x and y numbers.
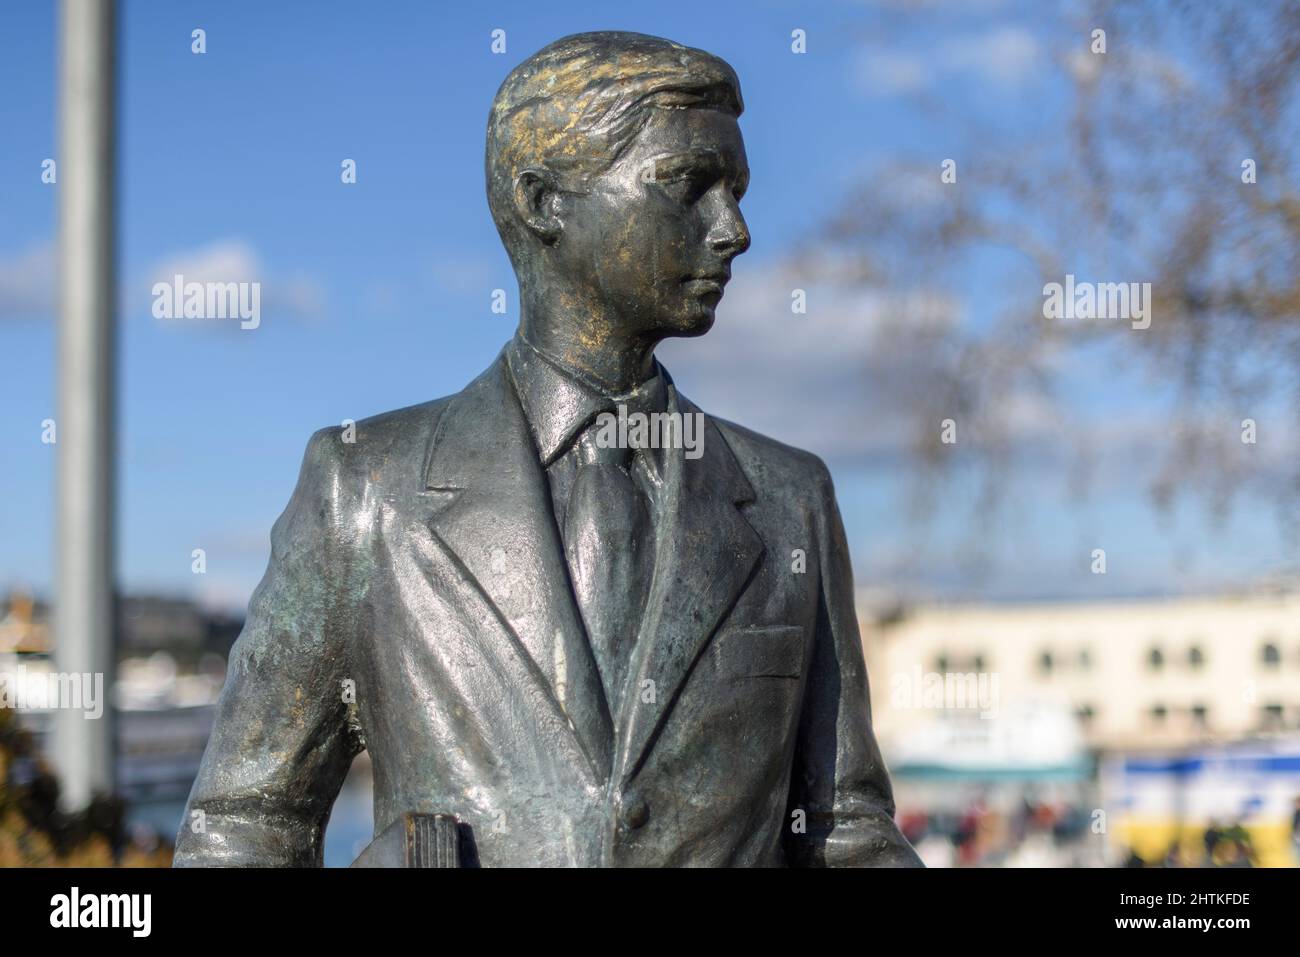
pixel 558 402
pixel 496 519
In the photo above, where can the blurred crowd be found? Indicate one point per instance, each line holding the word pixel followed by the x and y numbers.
pixel 1035 833
pixel 1058 833
pixel 1225 846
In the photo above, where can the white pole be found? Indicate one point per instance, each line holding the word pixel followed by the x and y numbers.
pixel 84 611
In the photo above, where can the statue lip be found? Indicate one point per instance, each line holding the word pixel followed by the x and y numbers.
pixel 706 285
pixel 717 278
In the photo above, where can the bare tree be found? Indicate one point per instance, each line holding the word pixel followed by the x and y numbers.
pixel 1172 160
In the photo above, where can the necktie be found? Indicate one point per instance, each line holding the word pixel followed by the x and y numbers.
pixel 608 540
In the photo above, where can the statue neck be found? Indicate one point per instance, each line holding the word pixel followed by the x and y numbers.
pixel 616 364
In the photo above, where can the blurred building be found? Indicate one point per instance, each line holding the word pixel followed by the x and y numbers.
pixel 1149 674
pixel 147 624
pixel 178 626
pixel 172 657
pixel 1091 732
pixel 24 625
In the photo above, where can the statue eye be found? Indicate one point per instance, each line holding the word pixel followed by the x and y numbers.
pixel 688 179
pixel 694 184
pixel 688 185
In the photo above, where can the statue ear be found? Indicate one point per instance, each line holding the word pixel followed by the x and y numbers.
pixel 537 204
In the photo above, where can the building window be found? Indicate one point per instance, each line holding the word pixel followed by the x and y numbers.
pixel 941 664
pixel 1086 714
pixel 1200 716
pixel 1046 662
pixel 1195 657
pixel 1158 713
pixel 1269 655
pixel 1271 717
pixel 1085 659
pixel 1156 659
pixel 979 663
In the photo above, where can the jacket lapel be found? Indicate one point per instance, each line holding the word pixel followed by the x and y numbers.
pixel 705 554
pixel 496 519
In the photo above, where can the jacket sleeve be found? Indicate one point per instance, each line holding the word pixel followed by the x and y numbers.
pixel 284 737
pixel 840 780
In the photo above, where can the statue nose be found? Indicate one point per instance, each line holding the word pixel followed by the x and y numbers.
pixel 729 233
pixel 730 236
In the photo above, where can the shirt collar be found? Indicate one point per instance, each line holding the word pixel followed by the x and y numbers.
pixel 558 404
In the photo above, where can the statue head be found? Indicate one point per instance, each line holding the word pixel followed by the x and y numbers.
pixel 615 168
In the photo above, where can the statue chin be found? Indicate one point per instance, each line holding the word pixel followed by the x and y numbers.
pixel 691 326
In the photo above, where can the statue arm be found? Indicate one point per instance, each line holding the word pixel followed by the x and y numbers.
pixel 282 742
pixel 840 780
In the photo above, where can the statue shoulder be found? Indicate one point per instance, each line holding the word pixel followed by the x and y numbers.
pixel 781 462
pixel 366 450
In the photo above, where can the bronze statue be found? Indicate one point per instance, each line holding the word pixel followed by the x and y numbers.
pixel 568 642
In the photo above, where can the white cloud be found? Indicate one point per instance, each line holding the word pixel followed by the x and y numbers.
pixel 812 380
pixel 1005 56
pixel 1146 67
pixel 235 260
pixel 463 274
pixel 27 283
pixel 889 73
pixel 226 261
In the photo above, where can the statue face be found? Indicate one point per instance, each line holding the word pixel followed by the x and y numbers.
pixel 650 243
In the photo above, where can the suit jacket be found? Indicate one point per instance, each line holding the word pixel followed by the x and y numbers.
pixel 417 605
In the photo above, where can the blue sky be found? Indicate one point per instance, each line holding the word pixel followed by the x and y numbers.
pixel 377 295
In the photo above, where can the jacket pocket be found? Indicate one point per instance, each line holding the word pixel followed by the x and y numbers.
pixel 774 651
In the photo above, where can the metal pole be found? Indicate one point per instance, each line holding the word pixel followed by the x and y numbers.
pixel 84 610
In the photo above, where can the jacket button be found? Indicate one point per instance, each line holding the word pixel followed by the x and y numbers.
pixel 636 814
